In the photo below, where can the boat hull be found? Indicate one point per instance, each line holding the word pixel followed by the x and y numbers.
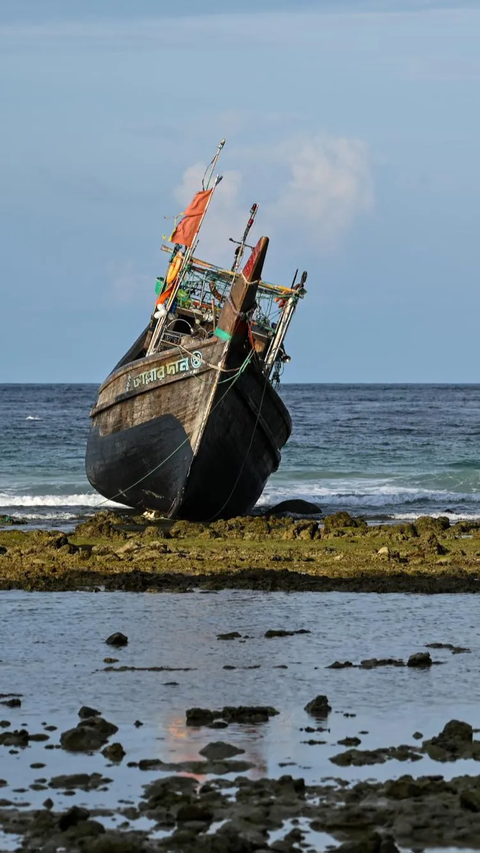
pixel 198 444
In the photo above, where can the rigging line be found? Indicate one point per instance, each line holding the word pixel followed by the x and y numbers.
pixel 185 441
pixel 246 455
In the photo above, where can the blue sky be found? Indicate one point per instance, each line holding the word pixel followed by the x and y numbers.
pixel 354 125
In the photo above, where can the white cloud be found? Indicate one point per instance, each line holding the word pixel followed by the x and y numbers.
pixel 323 184
pixel 330 186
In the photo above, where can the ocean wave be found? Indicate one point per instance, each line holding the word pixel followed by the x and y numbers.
pixel 85 500
pixel 361 495
pixel 32 418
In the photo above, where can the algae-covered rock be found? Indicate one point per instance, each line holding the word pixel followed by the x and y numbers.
pixel 340 520
pixel 117 639
pixel 426 524
pixel 103 525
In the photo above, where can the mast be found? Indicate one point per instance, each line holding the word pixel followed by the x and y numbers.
pixel 243 242
pixel 284 323
pixel 161 322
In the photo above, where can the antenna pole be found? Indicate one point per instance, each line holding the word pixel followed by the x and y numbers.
pixel 241 246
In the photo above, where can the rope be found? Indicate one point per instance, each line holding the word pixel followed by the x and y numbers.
pixel 232 380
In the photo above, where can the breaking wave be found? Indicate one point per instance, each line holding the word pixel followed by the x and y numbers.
pixel 86 500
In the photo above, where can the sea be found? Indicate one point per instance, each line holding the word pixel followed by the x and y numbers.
pixel 386 452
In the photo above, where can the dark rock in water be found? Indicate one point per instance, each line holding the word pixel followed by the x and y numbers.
pixel 371 663
pixel 218 751
pixel 340 665
pixel 417 735
pixel 48 803
pixel 282 633
pixel 454 741
pixel 114 752
pixel 248 713
pixel 372 843
pixel 298 507
pixel 420 659
pixel 233 635
pixel 349 741
pixel 200 716
pixel 84 781
pixel 12 703
pixel 318 707
pixel 86 712
pixel 110 660
pixel 19 737
pixel 72 817
pixel 117 639
pixel 89 735
pixel 137 724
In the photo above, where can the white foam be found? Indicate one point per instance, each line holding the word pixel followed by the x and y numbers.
pixel 32 418
pixel 361 493
pixel 81 500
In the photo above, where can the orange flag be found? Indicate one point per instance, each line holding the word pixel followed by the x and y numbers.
pixel 188 226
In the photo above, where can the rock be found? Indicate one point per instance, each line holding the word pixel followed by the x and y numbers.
pixel 470 800
pixel 89 735
pixel 233 635
pixel 420 659
pixel 454 741
pixel 247 713
pixel 12 703
pixel 340 665
pixel 194 812
pixel 117 639
pixel 282 633
pixel 200 716
pixel 218 750
pixel 339 520
pixel 114 752
pixel 86 712
pixel 19 737
pixel 349 741
pixel 318 707
pixel 84 781
pixel 371 663
pixel 299 507
pixel 82 740
pixel 72 817
pixel 110 660
pixel 48 803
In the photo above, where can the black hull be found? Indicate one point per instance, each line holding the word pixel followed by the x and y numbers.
pixel 156 465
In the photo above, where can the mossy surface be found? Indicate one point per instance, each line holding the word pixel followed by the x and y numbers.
pixel 260 553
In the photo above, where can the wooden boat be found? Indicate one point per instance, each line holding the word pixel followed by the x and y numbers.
pixel 189 422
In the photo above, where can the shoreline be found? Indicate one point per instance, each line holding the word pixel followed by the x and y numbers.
pixel 121 551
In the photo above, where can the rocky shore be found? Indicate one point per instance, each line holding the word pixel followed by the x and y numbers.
pixel 123 552
pixel 210 805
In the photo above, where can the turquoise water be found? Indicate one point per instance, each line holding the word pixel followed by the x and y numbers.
pixel 379 450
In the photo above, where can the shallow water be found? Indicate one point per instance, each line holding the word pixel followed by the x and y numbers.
pixel 52 649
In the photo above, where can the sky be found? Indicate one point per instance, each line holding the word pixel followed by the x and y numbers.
pixel 354 124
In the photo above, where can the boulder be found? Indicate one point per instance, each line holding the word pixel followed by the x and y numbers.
pixel 420 659
pixel 218 751
pixel 318 707
pixel 298 507
pixel 117 639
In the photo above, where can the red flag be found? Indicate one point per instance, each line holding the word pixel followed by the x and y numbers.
pixel 186 229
